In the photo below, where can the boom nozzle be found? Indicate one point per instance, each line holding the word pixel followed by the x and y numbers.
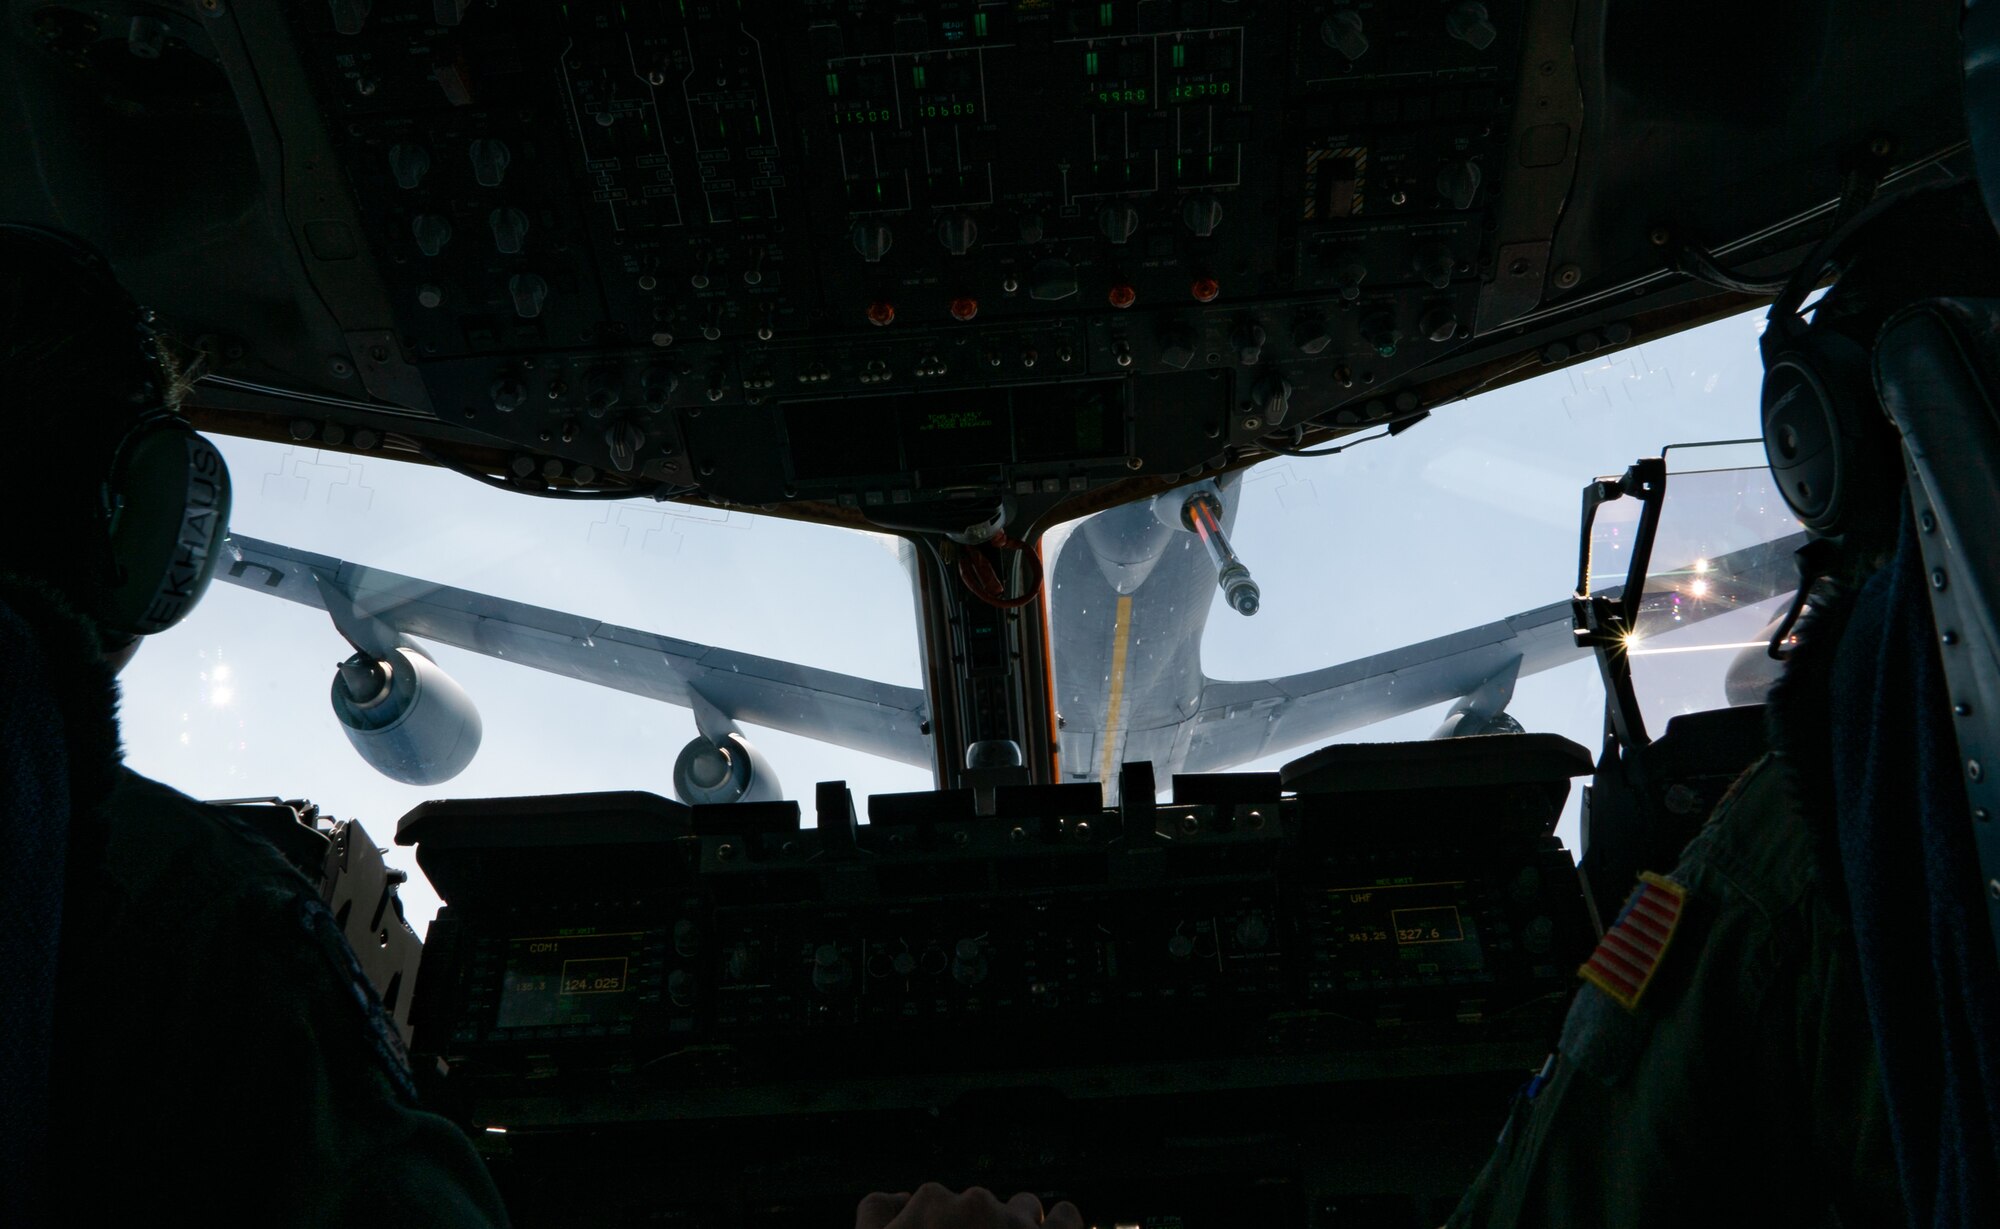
pixel 1242 593
pixel 1203 513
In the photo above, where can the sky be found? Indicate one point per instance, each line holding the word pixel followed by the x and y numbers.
pixel 1470 516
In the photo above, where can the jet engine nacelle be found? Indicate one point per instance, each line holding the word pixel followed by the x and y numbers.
pixel 729 771
pixel 406 716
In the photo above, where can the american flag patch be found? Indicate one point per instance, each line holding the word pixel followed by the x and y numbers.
pixel 1630 952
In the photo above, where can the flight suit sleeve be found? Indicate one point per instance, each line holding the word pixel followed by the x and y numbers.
pixel 305 1064
pixel 1740 1086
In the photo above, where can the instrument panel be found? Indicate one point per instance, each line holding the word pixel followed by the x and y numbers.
pixel 629 227
pixel 719 1016
pixel 940 942
pixel 678 248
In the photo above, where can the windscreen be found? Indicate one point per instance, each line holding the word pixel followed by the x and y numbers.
pixel 1721 575
pixel 1454 534
pixel 235 702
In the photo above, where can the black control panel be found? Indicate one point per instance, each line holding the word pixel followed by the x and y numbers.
pixel 621 963
pixel 672 248
pixel 624 231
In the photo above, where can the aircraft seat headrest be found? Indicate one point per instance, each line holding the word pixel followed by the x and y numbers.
pixel 1980 35
pixel 1937 372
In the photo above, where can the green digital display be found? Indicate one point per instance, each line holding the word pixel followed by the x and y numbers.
pixel 946 87
pixel 1197 91
pixel 958 420
pixel 863 117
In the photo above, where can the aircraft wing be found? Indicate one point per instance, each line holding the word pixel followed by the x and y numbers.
pixel 856 713
pixel 1240 721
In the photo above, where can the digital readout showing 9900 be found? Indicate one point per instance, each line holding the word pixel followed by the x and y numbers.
pixel 1400 929
pixel 568 979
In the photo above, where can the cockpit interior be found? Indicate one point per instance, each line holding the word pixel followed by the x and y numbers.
pixel 1100 598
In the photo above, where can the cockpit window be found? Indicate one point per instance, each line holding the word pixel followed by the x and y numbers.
pixel 1421 544
pixel 1425 547
pixel 235 702
pixel 1721 577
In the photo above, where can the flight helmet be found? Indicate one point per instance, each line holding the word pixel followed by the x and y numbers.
pixel 134 536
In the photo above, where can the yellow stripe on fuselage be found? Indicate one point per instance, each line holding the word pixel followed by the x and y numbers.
pixel 1121 634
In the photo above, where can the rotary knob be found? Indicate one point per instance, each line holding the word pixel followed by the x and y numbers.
pixel 508 394
pixel 529 291
pixel 1271 396
pixel 408 163
pixel 873 240
pixel 350 15
pixel 490 158
pixel 831 973
pixel 1118 222
pixel 432 231
pixel 1202 214
pixel 1248 337
pixel 958 233
pixel 1438 323
pixel 1310 333
pixel 1348 279
pixel 1458 183
pixel 624 440
pixel 1031 227
pixel 968 962
pixel 657 386
pixel 1177 346
pixel 741 964
pixel 1343 32
pixel 510 227
pixel 1470 24
pixel 1253 933
pixel 1433 262
pixel 1051 280
pixel 681 988
pixel 1378 328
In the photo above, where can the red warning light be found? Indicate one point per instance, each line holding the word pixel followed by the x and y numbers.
pixel 964 309
pixel 1205 289
pixel 881 313
pixel 1122 296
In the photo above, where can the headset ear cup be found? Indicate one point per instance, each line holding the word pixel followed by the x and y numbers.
pixel 169 495
pixel 1831 450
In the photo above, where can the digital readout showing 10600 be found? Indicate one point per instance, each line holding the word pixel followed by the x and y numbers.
pixel 553 980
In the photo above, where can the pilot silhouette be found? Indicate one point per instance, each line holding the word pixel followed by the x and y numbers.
pixel 184 1032
pixel 1732 1056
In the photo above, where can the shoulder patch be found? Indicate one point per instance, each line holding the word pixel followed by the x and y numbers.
pixel 381 1036
pixel 1632 948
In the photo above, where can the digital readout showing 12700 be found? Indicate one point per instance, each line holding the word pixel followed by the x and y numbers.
pixel 568 979
pixel 1404 928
